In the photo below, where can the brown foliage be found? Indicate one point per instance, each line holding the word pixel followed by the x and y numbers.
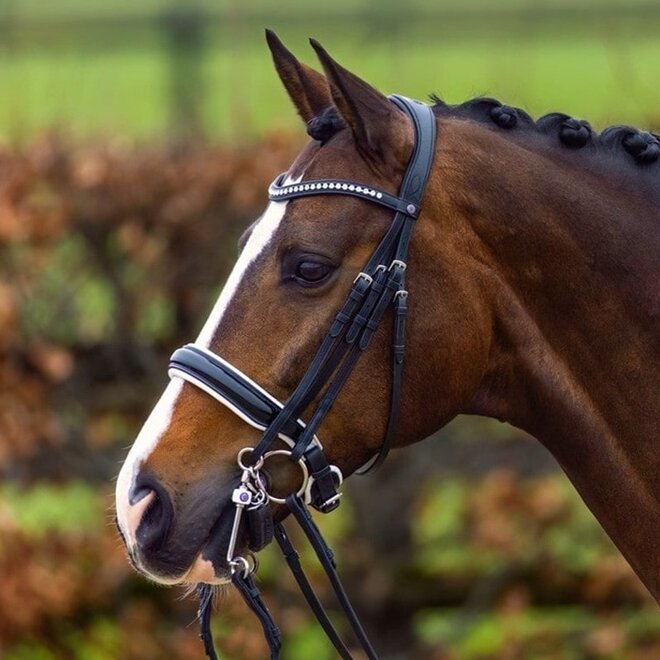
pixel 109 256
pixel 142 225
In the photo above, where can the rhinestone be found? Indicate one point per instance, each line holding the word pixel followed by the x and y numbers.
pixel 358 189
pixel 351 187
pixel 331 184
pixel 379 195
pixel 312 186
pixel 372 193
pixel 344 186
pixel 325 185
pixel 411 208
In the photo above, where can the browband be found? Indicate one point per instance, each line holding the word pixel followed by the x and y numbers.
pixel 412 189
pixel 278 192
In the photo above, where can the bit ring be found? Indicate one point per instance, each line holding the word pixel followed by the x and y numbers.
pixel 249 468
pixel 238 564
pixel 305 475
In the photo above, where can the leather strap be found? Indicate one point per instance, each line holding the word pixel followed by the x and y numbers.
pixel 278 191
pixel 239 393
pixel 293 560
pixel 327 560
pixel 247 588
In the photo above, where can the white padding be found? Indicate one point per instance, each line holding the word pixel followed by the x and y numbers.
pixel 173 372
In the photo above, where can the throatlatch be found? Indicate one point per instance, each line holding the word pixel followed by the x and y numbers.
pixel 379 285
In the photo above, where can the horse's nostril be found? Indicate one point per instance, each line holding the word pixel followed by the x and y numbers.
pixel 138 494
pixel 157 511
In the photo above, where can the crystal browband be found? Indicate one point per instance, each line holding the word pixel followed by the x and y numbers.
pixel 279 191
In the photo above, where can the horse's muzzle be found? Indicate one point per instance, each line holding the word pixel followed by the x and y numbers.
pixel 177 542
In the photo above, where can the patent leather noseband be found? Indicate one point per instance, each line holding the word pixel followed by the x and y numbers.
pixel 231 387
pixel 381 284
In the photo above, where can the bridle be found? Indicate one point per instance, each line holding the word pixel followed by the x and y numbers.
pixel 380 284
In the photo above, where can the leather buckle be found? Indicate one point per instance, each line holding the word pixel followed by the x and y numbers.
pixel 362 275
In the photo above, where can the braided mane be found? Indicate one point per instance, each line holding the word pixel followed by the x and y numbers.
pixel 640 148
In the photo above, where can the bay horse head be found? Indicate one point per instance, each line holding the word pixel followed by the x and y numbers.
pixel 297 263
pixel 514 311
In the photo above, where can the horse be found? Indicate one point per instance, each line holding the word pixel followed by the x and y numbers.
pixel 531 296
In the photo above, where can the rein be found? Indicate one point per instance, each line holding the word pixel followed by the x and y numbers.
pixel 380 284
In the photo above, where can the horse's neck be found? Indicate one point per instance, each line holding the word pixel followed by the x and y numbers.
pixel 575 356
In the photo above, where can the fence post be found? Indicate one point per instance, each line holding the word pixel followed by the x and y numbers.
pixel 185 35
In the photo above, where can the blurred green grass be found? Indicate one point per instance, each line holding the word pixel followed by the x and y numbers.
pixel 117 81
pixel 71 508
pixel 265 7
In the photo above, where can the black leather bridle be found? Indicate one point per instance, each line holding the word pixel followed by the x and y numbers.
pixel 380 284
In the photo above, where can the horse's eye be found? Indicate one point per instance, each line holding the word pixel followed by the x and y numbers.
pixel 306 269
pixel 312 272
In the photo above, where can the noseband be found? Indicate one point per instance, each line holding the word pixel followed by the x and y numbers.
pixel 380 284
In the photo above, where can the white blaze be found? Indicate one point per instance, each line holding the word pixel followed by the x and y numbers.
pixel 259 239
pixel 144 444
pixel 160 417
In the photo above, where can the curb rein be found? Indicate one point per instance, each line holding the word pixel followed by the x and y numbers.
pixel 381 283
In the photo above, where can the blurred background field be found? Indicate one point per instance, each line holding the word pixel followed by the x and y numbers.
pixel 96 67
pixel 136 142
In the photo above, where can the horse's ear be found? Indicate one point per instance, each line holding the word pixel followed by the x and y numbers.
pixel 374 120
pixel 307 88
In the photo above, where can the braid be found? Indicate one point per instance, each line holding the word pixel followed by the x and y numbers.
pixel 504 116
pixel 575 133
pixel 643 146
pixel 324 126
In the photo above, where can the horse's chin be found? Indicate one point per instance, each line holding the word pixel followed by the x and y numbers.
pixel 202 570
